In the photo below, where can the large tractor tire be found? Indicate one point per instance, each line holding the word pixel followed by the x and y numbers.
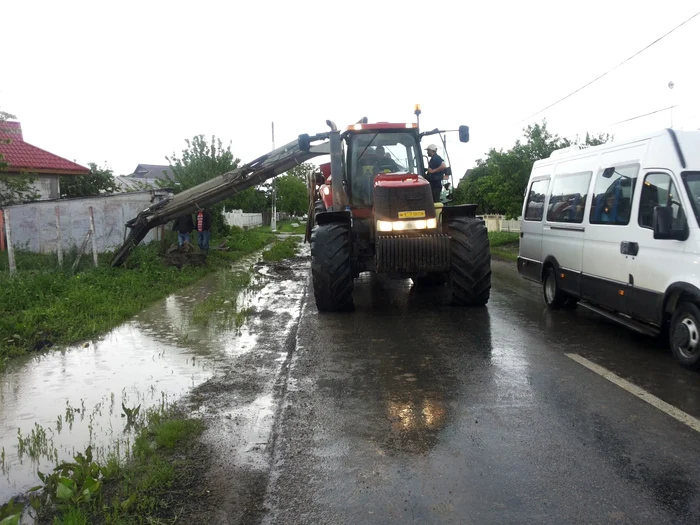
pixel 469 278
pixel 432 279
pixel 331 269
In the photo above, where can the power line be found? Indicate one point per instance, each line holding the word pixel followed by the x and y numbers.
pixel 610 70
pixel 645 115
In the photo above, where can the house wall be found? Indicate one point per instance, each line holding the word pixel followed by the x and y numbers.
pixel 45 185
pixel 33 225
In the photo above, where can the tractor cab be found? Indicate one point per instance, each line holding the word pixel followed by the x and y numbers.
pixel 379 149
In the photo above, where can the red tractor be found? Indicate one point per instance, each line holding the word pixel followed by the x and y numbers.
pixel 376 214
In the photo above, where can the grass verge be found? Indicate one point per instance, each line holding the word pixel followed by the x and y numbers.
pixel 505 245
pixel 285 249
pixel 43 305
pixel 155 484
pixel 286 227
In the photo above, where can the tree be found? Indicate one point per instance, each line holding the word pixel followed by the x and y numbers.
pixel 200 162
pixel 498 183
pixel 302 171
pixel 14 189
pixel 99 180
pixel 292 195
pixel 250 200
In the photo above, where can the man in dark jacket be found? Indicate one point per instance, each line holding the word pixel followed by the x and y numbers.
pixel 183 225
pixel 436 171
pixel 203 228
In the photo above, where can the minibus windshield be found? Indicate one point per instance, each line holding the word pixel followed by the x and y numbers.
pixel 691 180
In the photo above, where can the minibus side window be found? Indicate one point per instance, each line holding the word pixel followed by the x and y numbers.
pixel 658 190
pixel 567 198
pixel 535 200
pixel 612 196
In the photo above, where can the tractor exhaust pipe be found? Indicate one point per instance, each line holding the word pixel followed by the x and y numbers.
pixel 340 199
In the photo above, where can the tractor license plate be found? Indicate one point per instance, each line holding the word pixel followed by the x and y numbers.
pixel 411 214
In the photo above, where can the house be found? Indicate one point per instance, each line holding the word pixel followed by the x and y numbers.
pixel 145 176
pixel 24 158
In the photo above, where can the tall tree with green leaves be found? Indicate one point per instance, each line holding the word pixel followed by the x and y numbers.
pixel 99 180
pixel 292 195
pixel 199 162
pixel 498 182
pixel 14 189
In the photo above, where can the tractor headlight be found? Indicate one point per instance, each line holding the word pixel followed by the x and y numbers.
pixel 384 226
pixel 397 226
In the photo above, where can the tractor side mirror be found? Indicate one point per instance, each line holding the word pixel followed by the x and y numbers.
pixel 464 133
pixel 304 142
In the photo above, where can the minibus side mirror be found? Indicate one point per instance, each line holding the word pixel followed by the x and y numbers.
pixel 662 223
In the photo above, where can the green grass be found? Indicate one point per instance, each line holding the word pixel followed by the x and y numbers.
pixel 221 307
pixel 286 227
pixel 74 516
pixel 285 249
pixel 505 245
pixel 162 477
pixel 43 304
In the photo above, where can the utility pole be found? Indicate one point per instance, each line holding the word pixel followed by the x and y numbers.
pixel 670 86
pixel 273 222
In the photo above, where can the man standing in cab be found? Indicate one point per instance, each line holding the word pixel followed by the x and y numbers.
pixel 436 171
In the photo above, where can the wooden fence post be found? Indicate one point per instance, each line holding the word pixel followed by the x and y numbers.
pixel 94 237
pixel 82 250
pixel 10 248
pixel 2 230
pixel 59 248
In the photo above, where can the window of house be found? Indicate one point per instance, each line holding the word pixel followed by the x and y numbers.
pixel 658 190
pixel 535 200
pixel 567 198
pixel 611 202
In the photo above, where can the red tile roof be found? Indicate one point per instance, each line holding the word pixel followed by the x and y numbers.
pixel 22 156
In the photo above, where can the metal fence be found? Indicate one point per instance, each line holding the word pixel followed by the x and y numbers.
pixel 498 223
pixel 243 220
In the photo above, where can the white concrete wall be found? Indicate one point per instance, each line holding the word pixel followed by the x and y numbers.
pixel 33 225
pixel 240 219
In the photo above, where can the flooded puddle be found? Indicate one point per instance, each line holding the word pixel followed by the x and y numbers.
pixel 55 404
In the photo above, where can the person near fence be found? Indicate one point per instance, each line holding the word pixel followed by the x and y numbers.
pixel 203 228
pixel 183 225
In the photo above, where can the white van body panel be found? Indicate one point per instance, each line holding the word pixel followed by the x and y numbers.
pixel 619 266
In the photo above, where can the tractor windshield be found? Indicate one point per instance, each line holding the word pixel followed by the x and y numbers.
pixel 382 152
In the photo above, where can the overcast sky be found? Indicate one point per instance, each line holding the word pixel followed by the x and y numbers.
pixel 127 83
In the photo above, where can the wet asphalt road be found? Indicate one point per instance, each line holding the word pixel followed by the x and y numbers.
pixel 410 411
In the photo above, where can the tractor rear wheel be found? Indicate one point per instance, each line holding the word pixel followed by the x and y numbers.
pixel 469 278
pixel 331 269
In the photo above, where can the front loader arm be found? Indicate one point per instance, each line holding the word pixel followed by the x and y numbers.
pixel 217 189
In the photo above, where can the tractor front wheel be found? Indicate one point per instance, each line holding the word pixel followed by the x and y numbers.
pixel 469 278
pixel 331 268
